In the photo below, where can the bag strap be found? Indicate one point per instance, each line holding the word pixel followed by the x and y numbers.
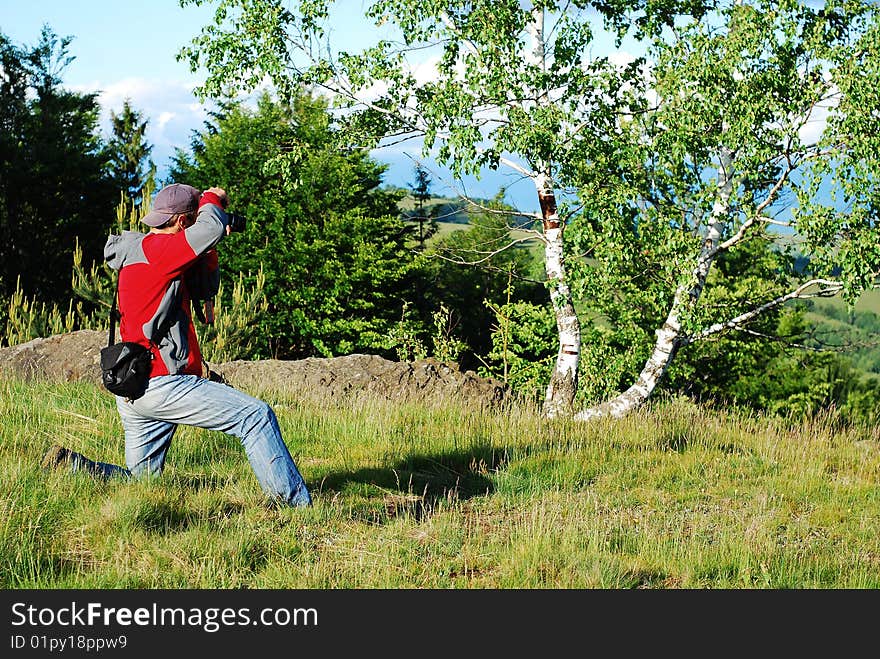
pixel 114 316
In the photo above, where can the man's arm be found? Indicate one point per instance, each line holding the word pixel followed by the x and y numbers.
pixel 183 248
pixel 211 223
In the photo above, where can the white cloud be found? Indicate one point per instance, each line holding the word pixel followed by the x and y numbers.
pixel 164 118
pixel 817 121
pixel 620 58
pixel 426 70
pixel 170 107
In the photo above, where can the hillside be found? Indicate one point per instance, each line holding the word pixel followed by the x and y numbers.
pixel 450 210
pixel 854 332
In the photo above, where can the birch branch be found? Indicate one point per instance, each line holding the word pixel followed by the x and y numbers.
pixel 830 289
pixel 783 340
pixel 849 346
pixel 758 214
pixel 449 23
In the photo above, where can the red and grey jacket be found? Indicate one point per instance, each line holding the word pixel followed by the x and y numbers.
pixel 153 292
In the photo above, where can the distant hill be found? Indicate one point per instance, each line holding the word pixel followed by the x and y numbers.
pixel 449 210
pixel 855 332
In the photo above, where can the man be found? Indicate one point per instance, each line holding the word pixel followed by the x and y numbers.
pixel 154 306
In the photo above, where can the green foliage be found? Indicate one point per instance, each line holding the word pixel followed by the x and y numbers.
pixel 844 236
pixel 778 378
pixel 234 334
pixel 804 385
pixel 522 351
pixel 447 346
pixel 405 337
pixel 53 182
pixel 334 251
pixel 625 289
pixel 28 318
pixel 96 286
pixel 745 86
pixel 482 262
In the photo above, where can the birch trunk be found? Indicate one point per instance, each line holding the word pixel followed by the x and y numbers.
pixel 561 391
pixel 687 295
pixel 559 399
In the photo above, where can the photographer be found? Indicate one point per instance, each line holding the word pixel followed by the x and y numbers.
pixel 154 306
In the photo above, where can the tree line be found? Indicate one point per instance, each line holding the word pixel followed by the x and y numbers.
pixel 342 270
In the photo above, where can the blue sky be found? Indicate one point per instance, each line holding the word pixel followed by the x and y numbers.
pixel 125 49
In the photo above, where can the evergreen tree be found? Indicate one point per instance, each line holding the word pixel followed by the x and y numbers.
pixel 331 243
pixel 130 164
pixel 421 191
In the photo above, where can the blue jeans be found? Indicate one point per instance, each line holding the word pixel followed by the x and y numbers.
pixel 150 422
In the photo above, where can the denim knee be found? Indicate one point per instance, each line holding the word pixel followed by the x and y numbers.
pixel 256 414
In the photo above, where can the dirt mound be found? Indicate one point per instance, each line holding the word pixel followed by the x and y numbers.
pixel 76 356
pixel 63 357
pixel 354 374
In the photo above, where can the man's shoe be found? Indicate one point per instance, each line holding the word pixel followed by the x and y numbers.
pixel 56 457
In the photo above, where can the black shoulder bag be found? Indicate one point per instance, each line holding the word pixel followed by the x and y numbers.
pixel 125 367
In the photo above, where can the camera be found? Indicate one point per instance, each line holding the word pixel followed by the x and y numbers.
pixel 236 222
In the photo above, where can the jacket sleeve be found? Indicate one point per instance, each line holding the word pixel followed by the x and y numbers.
pixel 210 225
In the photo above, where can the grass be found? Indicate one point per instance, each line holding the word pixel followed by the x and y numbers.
pixel 446 496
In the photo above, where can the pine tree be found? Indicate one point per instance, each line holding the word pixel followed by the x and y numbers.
pixel 421 190
pixel 130 165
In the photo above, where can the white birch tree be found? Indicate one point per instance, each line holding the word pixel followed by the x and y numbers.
pixel 689 145
pixel 749 125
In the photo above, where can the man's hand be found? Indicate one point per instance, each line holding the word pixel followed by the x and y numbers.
pixel 221 194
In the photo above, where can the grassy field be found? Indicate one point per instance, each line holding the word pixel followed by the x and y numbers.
pixel 444 496
pixel 869 301
pixel 445 228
